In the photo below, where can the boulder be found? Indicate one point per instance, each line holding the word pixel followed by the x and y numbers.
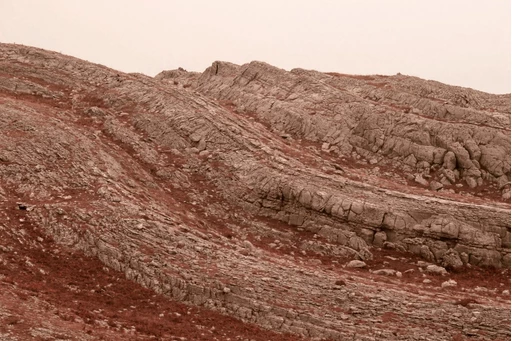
pixel 474 151
pixel 461 155
pixel 419 179
pixel 385 272
pixel 449 175
pixel 365 254
pixel 449 284
pixel 502 181
pixel 506 195
pixel 472 183
pixel 435 185
pixel 367 235
pixel 436 270
pixel 486 258
pixel 379 238
pixel 357 243
pixel 451 260
pixel 356 264
pixel 449 161
pixel 425 253
pixel 495 159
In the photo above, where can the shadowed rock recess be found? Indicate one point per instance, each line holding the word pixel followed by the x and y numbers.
pixel 277 205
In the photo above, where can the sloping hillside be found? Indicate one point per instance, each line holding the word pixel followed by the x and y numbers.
pixel 269 202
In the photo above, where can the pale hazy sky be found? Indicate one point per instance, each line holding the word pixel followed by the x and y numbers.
pixel 459 42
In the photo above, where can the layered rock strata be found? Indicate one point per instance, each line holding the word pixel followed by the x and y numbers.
pixel 247 189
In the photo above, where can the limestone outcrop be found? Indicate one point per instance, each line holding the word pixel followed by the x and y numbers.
pixel 246 189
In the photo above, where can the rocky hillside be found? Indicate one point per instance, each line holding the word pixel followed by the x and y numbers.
pixel 249 203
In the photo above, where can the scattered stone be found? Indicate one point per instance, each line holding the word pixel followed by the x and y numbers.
pixel 435 185
pixel 95 111
pixel 449 283
pixel 425 253
pixel 245 252
pixel 436 270
pixel 419 179
pixel 356 264
pixel 445 182
pixel 379 238
pixel 472 183
pixel 451 260
pixel 365 254
pixel 385 272
pixel 506 195
pixel 340 282
pixel 201 146
pixel 367 235
pixel 450 161
pixel 450 176
pixel 248 245
pixel 464 257
pixel 427 281
pixel 503 181
pixel 389 245
pixel 410 160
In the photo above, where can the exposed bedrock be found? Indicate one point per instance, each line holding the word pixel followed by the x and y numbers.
pixel 391 122
pixel 385 218
pixel 173 185
pixel 415 124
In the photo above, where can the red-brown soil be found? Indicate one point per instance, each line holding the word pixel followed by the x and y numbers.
pixel 75 287
pixel 172 186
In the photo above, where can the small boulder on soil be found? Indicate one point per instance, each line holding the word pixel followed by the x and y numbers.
pixel 379 239
pixel 356 264
pixel 451 260
pixel 449 283
pixel 436 270
pixel 435 185
pixel 385 272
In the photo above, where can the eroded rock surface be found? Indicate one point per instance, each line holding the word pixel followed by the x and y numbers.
pixel 245 190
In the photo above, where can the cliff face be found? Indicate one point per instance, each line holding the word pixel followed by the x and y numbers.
pixel 246 189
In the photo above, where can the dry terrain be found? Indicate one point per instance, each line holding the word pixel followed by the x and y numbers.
pixel 248 202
